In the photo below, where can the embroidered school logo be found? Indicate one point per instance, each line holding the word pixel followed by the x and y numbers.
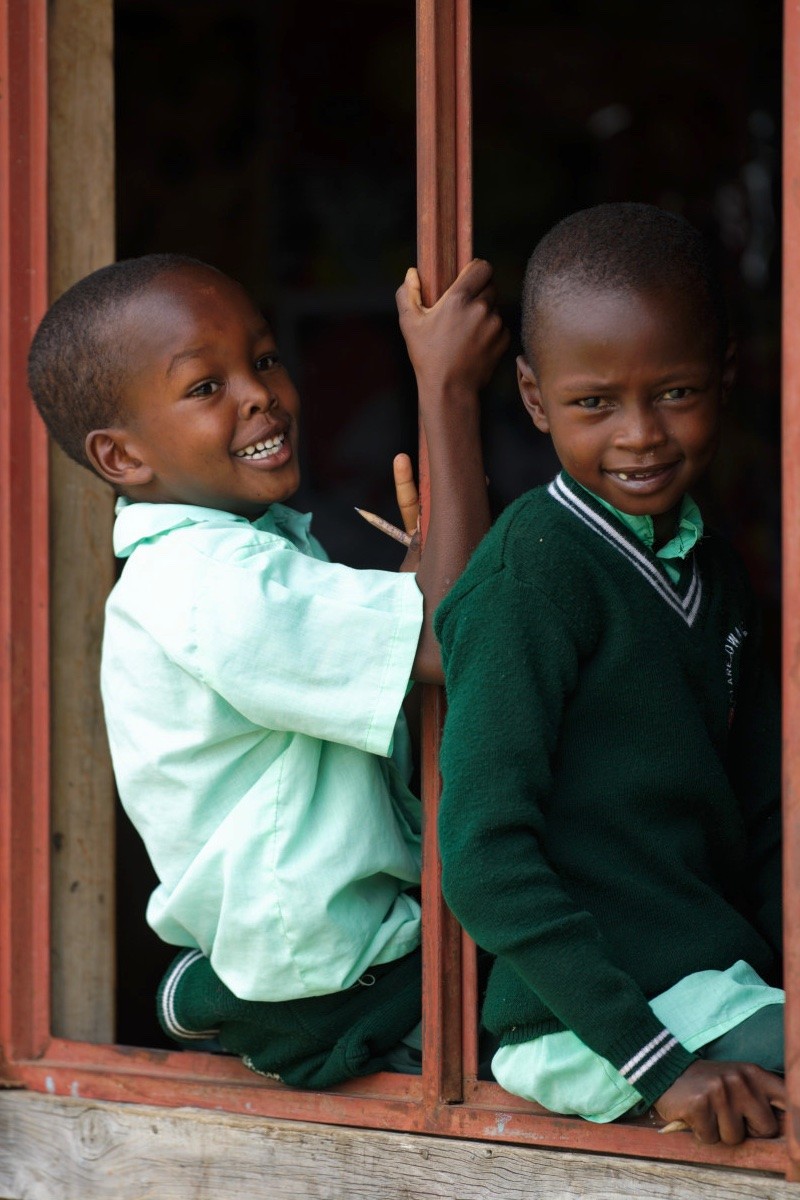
pixel 733 645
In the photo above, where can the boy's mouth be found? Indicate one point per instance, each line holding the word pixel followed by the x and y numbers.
pixel 626 475
pixel 643 478
pixel 267 448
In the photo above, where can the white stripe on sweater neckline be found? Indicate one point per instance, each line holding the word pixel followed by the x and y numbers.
pixel 686 606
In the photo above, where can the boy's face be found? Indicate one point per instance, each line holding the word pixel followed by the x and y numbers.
pixel 630 387
pixel 210 413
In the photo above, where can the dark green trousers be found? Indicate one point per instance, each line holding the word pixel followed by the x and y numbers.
pixel 759 1039
pixel 310 1043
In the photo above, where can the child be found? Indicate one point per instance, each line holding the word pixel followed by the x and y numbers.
pixel 253 689
pixel 609 823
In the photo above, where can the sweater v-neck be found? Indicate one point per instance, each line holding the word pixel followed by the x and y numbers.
pixel 683 596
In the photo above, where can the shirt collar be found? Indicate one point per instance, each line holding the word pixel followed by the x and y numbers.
pixel 687 534
pixel 142 522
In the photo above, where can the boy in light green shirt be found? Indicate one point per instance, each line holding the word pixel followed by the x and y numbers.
pixel 253 689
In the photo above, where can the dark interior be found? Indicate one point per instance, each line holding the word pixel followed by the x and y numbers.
pixel 276 141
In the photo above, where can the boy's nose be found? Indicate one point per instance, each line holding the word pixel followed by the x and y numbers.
pixel 641 431
pixel 256 396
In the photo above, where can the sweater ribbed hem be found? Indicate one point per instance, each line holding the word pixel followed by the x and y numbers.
pixel 649 1057
pixel 527 1032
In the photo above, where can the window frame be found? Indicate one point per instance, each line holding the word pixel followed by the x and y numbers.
pixel 447 1099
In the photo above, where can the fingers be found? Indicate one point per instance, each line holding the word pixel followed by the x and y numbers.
pixel 725 1101
pixel 738 1104
pixel 474 281
pixel 407 493
pixel 747 1108
pixel 474 278
pixel 769 1098
pixel 460 338
pixel 409 294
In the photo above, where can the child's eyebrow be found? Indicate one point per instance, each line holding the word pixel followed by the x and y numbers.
pixel 264 331
pixel 587 383
pixel 183 355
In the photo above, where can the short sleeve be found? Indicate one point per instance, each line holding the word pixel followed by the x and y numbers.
pixel 295 643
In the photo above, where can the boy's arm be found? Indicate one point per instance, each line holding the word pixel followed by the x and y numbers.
pixel 454 347
pixel 499 742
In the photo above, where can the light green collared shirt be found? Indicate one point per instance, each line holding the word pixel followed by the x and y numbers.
pixel 685 538
pixel 560 1072
pixel 253 697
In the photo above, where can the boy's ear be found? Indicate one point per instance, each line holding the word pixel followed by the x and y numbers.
pixel 531 396
pixel 110 454
pixel 729 366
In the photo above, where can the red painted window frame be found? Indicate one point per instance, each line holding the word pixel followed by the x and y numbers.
pixel 447 1099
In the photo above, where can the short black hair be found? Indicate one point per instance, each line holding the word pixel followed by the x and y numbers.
pixel 622 247
pixel 77 363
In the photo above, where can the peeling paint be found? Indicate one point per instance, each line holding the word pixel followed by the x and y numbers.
pixel 74 1088
pixel 50 1084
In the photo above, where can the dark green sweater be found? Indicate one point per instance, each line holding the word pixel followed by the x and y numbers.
pixel 609 822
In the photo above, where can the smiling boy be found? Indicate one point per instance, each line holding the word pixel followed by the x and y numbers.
pixel 252 688
pixel 603 672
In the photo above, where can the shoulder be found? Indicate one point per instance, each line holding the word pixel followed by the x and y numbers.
pixel 211 570
pixel 212 547
pixel 212 563
pixel 534 546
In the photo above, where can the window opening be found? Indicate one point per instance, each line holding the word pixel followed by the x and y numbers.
pixel 63 1065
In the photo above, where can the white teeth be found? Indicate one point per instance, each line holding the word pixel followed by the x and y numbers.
pixel 622 475
pixel 262 449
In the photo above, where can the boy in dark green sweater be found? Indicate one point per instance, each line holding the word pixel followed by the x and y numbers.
pixel 610 825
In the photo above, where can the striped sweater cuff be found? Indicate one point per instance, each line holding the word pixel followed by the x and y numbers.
pixel 650 1059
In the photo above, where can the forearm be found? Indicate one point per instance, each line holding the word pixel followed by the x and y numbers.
pixel 459 509
pixel 454 347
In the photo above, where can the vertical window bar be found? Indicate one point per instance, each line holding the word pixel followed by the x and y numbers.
pixel 791 568
pixel 24 701
pixel 444 239
pixel 463 66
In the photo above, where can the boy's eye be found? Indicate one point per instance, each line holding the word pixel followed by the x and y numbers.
pixel 678 393
pixel 591 402
pixel 206 388
pixel 265 362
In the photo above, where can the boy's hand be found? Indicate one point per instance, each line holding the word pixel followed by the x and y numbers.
pixel 725 1101
pixel 459 340
pixel 454 346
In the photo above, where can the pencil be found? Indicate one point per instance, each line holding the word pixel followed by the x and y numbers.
pixel 674 1127
pixel 385 527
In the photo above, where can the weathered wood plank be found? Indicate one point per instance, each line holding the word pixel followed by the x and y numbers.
pixel 81 161
pixel 57 1149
